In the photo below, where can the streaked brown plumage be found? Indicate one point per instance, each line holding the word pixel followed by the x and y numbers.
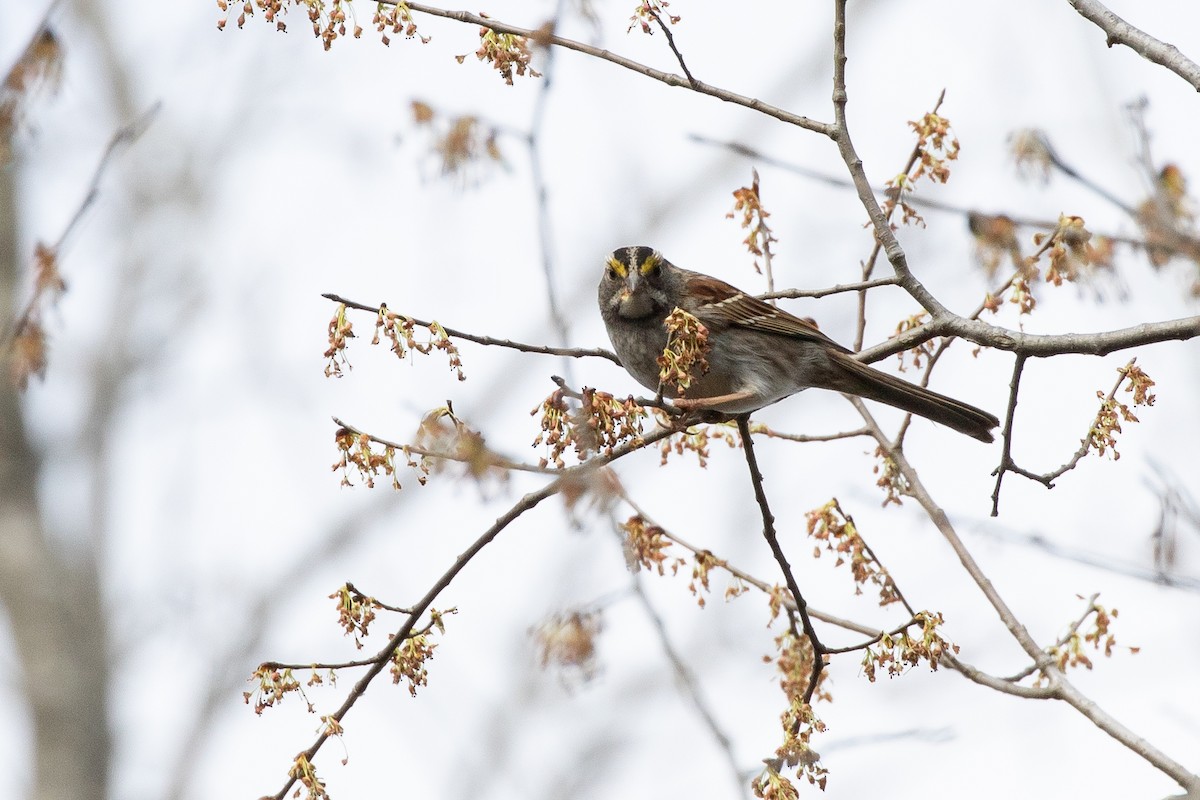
pixel 758 354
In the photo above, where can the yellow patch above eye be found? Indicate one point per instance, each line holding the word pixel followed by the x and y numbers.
pixel 650 264
pixel 617 267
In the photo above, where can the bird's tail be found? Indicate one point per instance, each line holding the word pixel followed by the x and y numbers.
pixel 872 384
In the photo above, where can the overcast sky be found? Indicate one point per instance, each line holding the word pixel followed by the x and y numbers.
pixel 276 171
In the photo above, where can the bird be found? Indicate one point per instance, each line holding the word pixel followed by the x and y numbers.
pixel 757 354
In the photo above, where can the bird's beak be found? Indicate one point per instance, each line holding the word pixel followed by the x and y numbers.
pixel 632 278
pixel 633 302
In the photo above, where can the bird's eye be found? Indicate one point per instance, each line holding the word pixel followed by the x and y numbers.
pixel 614 270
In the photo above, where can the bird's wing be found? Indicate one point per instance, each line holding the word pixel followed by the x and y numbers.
pixel 720 303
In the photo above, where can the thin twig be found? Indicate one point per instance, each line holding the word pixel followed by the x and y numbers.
pixel 688 685
pixel 805 438
pixel 537 176
pixel 124 136
pixel 1047 479
pixel 645 402
pixel 1002 685
pixel 833 651
pixel 671 41
pixel 869 265
pixel 756 478
pixel 1072 629
pixel 573 352
pixel 841 287
pixel 895 589
pixel 1006 451
pixel 494 459
pixel 668 78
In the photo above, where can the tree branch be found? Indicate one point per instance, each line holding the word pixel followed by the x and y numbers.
pixel 569 477
pixel 1060 687
pixel 573 352
pixel 841 287
pixel 668 78
pixel 1006 461
pixel 1033 344
pixel 1118 31
pixel 743 423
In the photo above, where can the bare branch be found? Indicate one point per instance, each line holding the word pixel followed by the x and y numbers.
pixel 671 41
pixel 758 427
pixel 873 640
pixel 1118 31
pixel 861 286
pixel 743 423
pixel 1006 452
pixel 999 684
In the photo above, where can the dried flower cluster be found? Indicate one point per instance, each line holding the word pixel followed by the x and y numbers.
pixel 568 642
pixel 600 424
pixel 898 652
pixel 647 10
pixel 995 238
pixel 1032 153
pixel 832 526
pixel 922 351
pixel 685 355
pixel 748 203
pixel 646 547
pixel 340 329
pixel 1071 651
pixel 458 142
pixel 397 20
pixel 443 438
pixel 356 612
pixel 400 330
pixel 1166 216
pixel 273 685
pixel 1102 436
pixel 355 449
pixel 304 772
pixel 696 440
pixel 408 661
pixel 794 662
pixel 891 479
pixel 936 145
pixel 507 52
pixel 37 69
